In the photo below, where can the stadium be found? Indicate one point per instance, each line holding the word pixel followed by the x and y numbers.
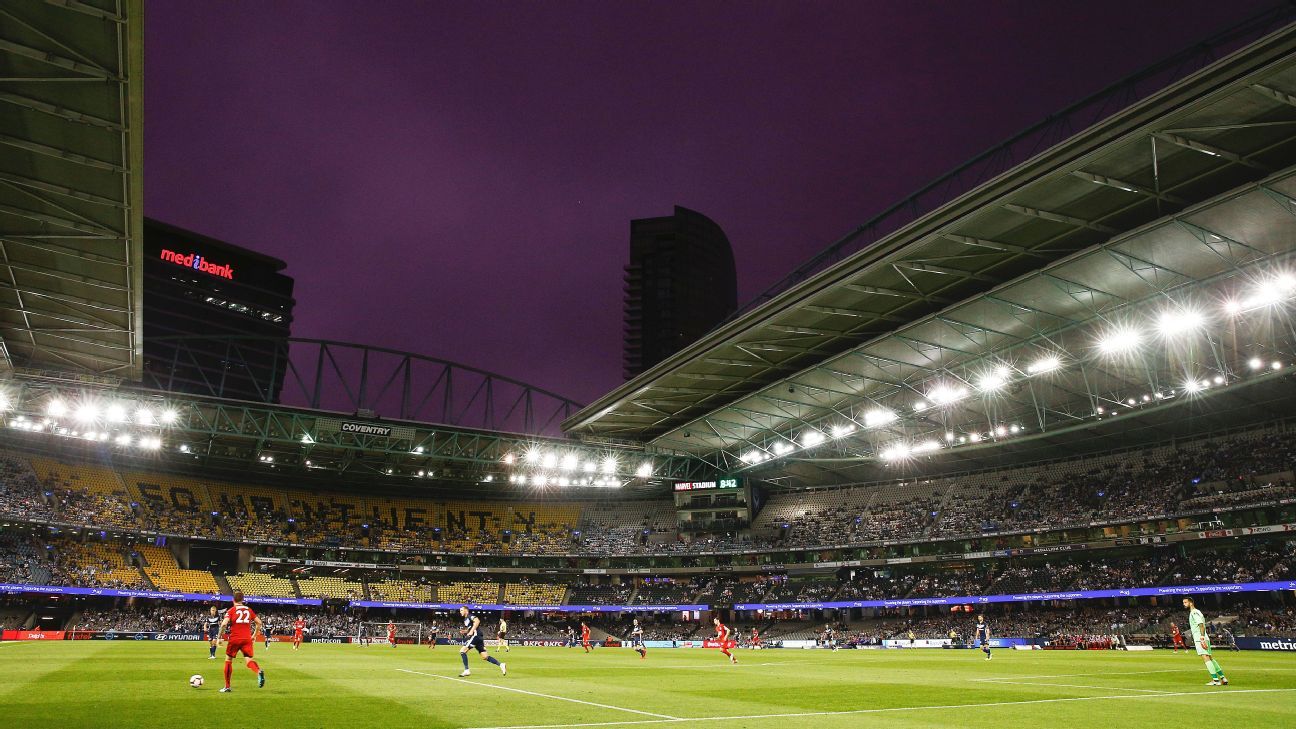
pixel 1053 389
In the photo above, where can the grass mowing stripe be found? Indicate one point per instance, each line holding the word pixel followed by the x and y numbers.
pixel 1077 685
pixel 1082 675
pixel 546 696
pixel 891 709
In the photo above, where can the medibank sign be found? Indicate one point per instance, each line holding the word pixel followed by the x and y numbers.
pixel 198 263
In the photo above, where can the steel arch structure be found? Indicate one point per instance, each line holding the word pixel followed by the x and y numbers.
pixel 328 375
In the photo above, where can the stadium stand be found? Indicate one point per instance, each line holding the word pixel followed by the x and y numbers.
pixel 595 594
pixel 166 573
pixel 23 561
pixel 259 583
pixel 93 564
pixel 534 593
pixel 475 592
pixel 1205 476
pixel 401 590
pixel 328 586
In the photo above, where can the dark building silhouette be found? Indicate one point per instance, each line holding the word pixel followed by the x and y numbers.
pixel 679 285
pixel 196 286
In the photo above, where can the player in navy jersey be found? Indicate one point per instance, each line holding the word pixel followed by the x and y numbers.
pixel 830 637
pixel 473 639
pixel 211 628
pixel 637 640
pixel 983 635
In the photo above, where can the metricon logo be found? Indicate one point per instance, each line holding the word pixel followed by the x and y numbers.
pixel 198 263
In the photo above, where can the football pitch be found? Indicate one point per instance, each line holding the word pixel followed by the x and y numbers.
pixel 144 684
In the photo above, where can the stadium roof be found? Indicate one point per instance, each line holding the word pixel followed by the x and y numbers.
pixel 1152 204
pixel 71 208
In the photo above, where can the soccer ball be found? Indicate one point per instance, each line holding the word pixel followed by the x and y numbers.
pixel 196 681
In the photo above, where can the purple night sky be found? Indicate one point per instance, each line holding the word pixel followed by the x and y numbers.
pixel 457 179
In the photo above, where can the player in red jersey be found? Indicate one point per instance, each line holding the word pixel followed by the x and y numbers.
pixel 585 641
pixel 391 633
pixel 240 620
pixel 755 639
pixel 299 627
pixel 722 637
pixel 1177 637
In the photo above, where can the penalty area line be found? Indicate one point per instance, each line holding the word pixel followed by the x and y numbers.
pixel 660 717
pixel 888 710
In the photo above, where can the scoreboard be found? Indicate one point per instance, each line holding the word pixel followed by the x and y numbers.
pixel 719 483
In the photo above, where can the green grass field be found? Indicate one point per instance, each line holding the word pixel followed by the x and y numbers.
pixel 99 684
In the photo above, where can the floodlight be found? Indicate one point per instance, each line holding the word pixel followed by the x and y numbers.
pixel 879 416
pixel 1180 322
pixel 115 413
pixel 1044 364
pixel 144 416
pixel 87 413
pixel 549 459
pixel 169 416
pixel 610 464
pixel 841 431
pixel 56 408
pixel 1120 340
pixel 570 461
pixel 811 438
pixel 994 379
pixel 1255 363
pixel 895 452
pixel 946 394
pixel 645 469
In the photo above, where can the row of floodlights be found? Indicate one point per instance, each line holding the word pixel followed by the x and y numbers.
pixel 571 462
pixel 549 479
pixel 91 412
pixel 146 442
pixel 1170 324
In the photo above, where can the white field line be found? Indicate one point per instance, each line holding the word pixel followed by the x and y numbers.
pixel 666 717
pixel 895 709
pixel 1077 685
pixel 1081 675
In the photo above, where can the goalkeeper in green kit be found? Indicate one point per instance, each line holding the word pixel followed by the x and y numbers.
pixel 1197 629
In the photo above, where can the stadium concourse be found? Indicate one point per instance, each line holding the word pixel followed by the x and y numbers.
pixel 1052 390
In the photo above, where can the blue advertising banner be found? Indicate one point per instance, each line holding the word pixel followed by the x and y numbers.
pixel 1265 643
pixel 1030 597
